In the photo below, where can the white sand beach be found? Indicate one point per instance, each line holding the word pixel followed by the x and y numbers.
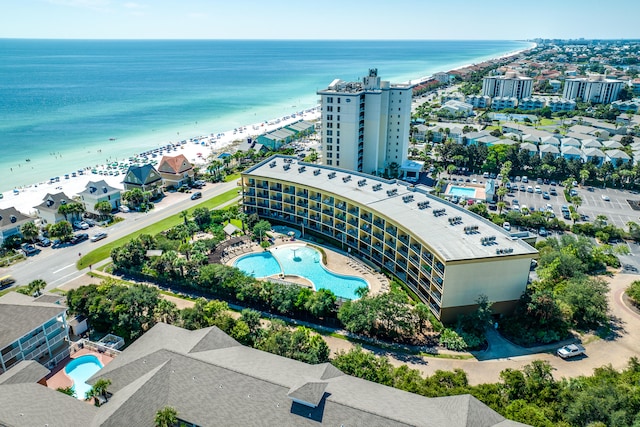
pixel 196 149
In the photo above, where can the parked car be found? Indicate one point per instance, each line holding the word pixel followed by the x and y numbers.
pixel 606 198
pixel 79 238
pixel 29 249
pixel 553 192
pixel 573 193
pixel 6 281
pixel 89 221
pixel 98 236
pixel 43 241
pixel 542 232
pixel 124 209
pixel 545 195
pixel 81 225
pixel 571 350
pixel 506 226
pixel 529 189
pixel 538 189
pixel 196 195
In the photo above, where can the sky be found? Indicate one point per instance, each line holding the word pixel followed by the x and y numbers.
pixel 323 19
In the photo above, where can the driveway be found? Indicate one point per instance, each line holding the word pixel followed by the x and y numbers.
pixel 485 366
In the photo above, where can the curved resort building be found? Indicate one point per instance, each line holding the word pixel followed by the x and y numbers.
pixel 447 255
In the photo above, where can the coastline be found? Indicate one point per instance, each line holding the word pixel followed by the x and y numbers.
pixel 30 195
pixel 196 149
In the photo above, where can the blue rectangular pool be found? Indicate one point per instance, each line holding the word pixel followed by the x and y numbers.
pixel 468 192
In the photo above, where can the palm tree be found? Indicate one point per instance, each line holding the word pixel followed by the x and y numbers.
pixel 450 170
pixel 30 231
pixel 242 217
pixel 99 389
pixel 36 287
pixel 584 175
pixel 166 417
pixel 501 205
pixel 185 216
pixel 104 208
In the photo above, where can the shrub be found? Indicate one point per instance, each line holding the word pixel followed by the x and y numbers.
pixel 452 341
pixel 633 292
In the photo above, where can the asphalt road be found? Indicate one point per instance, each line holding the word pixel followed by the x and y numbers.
pixel 58 266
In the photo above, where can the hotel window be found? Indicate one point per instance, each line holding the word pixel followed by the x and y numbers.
pixel 338 118
pixel 329 108
pixel 329 125
pixel 329 155
pixel 337 162
pixel 338 133
pixel 337 140
pixel 329 147
pixel 338 109
pixel 337 148
pixel 338 100
pixel 329 132
pixel 338 125
pixel 330 99
pixel 329 162
pixel 329 140
pixel 337 155
pixel 330 117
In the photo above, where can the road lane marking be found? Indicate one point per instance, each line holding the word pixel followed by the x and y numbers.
pixel 63 268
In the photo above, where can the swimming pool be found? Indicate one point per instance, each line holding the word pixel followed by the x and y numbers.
pixel 467 192
pixel 300 261
pixel 80 370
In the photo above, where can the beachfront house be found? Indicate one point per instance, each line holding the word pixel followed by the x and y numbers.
pixel 47 211
pixel 277 138
pixel 175 171
pixel 301 128
pixel 32 329
pixel 11 221
pixel 99 191
pixel 145 177
pixel 210 379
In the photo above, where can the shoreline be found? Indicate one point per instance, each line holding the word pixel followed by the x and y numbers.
pixel 196 149
pixel 30 195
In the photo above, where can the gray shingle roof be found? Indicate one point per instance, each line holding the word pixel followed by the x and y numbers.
pixel 141 175
pixel 28 405
pixel 24 372
pixel 53 201
pixel 212 380
pixel 99 188
pixel 20 314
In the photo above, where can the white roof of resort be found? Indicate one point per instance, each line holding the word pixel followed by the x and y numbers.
pixel 449 241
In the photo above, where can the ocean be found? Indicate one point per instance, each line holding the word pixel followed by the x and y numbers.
pixel 68 104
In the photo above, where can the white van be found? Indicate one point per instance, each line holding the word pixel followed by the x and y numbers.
pixel 506 226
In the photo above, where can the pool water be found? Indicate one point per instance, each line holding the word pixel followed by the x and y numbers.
pixel 80 370
pixel 461 191
pixel 300 261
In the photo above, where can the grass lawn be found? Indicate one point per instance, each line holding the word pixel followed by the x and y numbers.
pixel 104 252
pixel 548 122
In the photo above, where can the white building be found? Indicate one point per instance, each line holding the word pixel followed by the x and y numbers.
pixel 365 125
pixel 562 104
pixel 478 101
pixel 502 102
pixel 447 255
pixel 533 103
pixel 458 108
pixel 595 88
pixel 510 85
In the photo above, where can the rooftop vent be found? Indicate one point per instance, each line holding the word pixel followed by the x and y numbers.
pixel 455 220
pixel 423 205
pixel 392 192
pixel 316 172
pixel 346 178
pixel 408 198
pixel 332 175
pixel 377 187
pixel 439 212
pixel 286 166
pixel 272 164
pixel 302 169
pixel 470 229
pixel 362 182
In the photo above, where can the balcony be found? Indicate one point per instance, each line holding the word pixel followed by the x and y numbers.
pixel 392 231
pixel 353 211
pixel 353 222
pixel 404 239
pixel 366 217
pixel 378 223
pixel 289 190
pixel 316 208
pixel 378 236
pixel 302 194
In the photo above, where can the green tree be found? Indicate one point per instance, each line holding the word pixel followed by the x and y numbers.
pixel 29 231
pixel 61 230
pixel 166 417
pixel 69 391
pixel 261 228
pixel 100 388
pixel 104 208
pixel 587 298
pixel 633 292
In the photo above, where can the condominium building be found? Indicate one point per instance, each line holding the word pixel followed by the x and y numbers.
pixel 32 329
pixel 595 88
pixel 447 255
pixel 509 85
pixel 365 125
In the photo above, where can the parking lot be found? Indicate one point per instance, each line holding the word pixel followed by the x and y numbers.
pixel 616 209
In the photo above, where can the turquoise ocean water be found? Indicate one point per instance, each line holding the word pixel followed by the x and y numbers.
pixel 62 100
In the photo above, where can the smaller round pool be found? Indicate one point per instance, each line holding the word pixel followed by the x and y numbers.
pixel 80 370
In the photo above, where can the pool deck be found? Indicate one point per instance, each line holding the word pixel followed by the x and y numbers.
pixel 59 379
pixel 336 262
